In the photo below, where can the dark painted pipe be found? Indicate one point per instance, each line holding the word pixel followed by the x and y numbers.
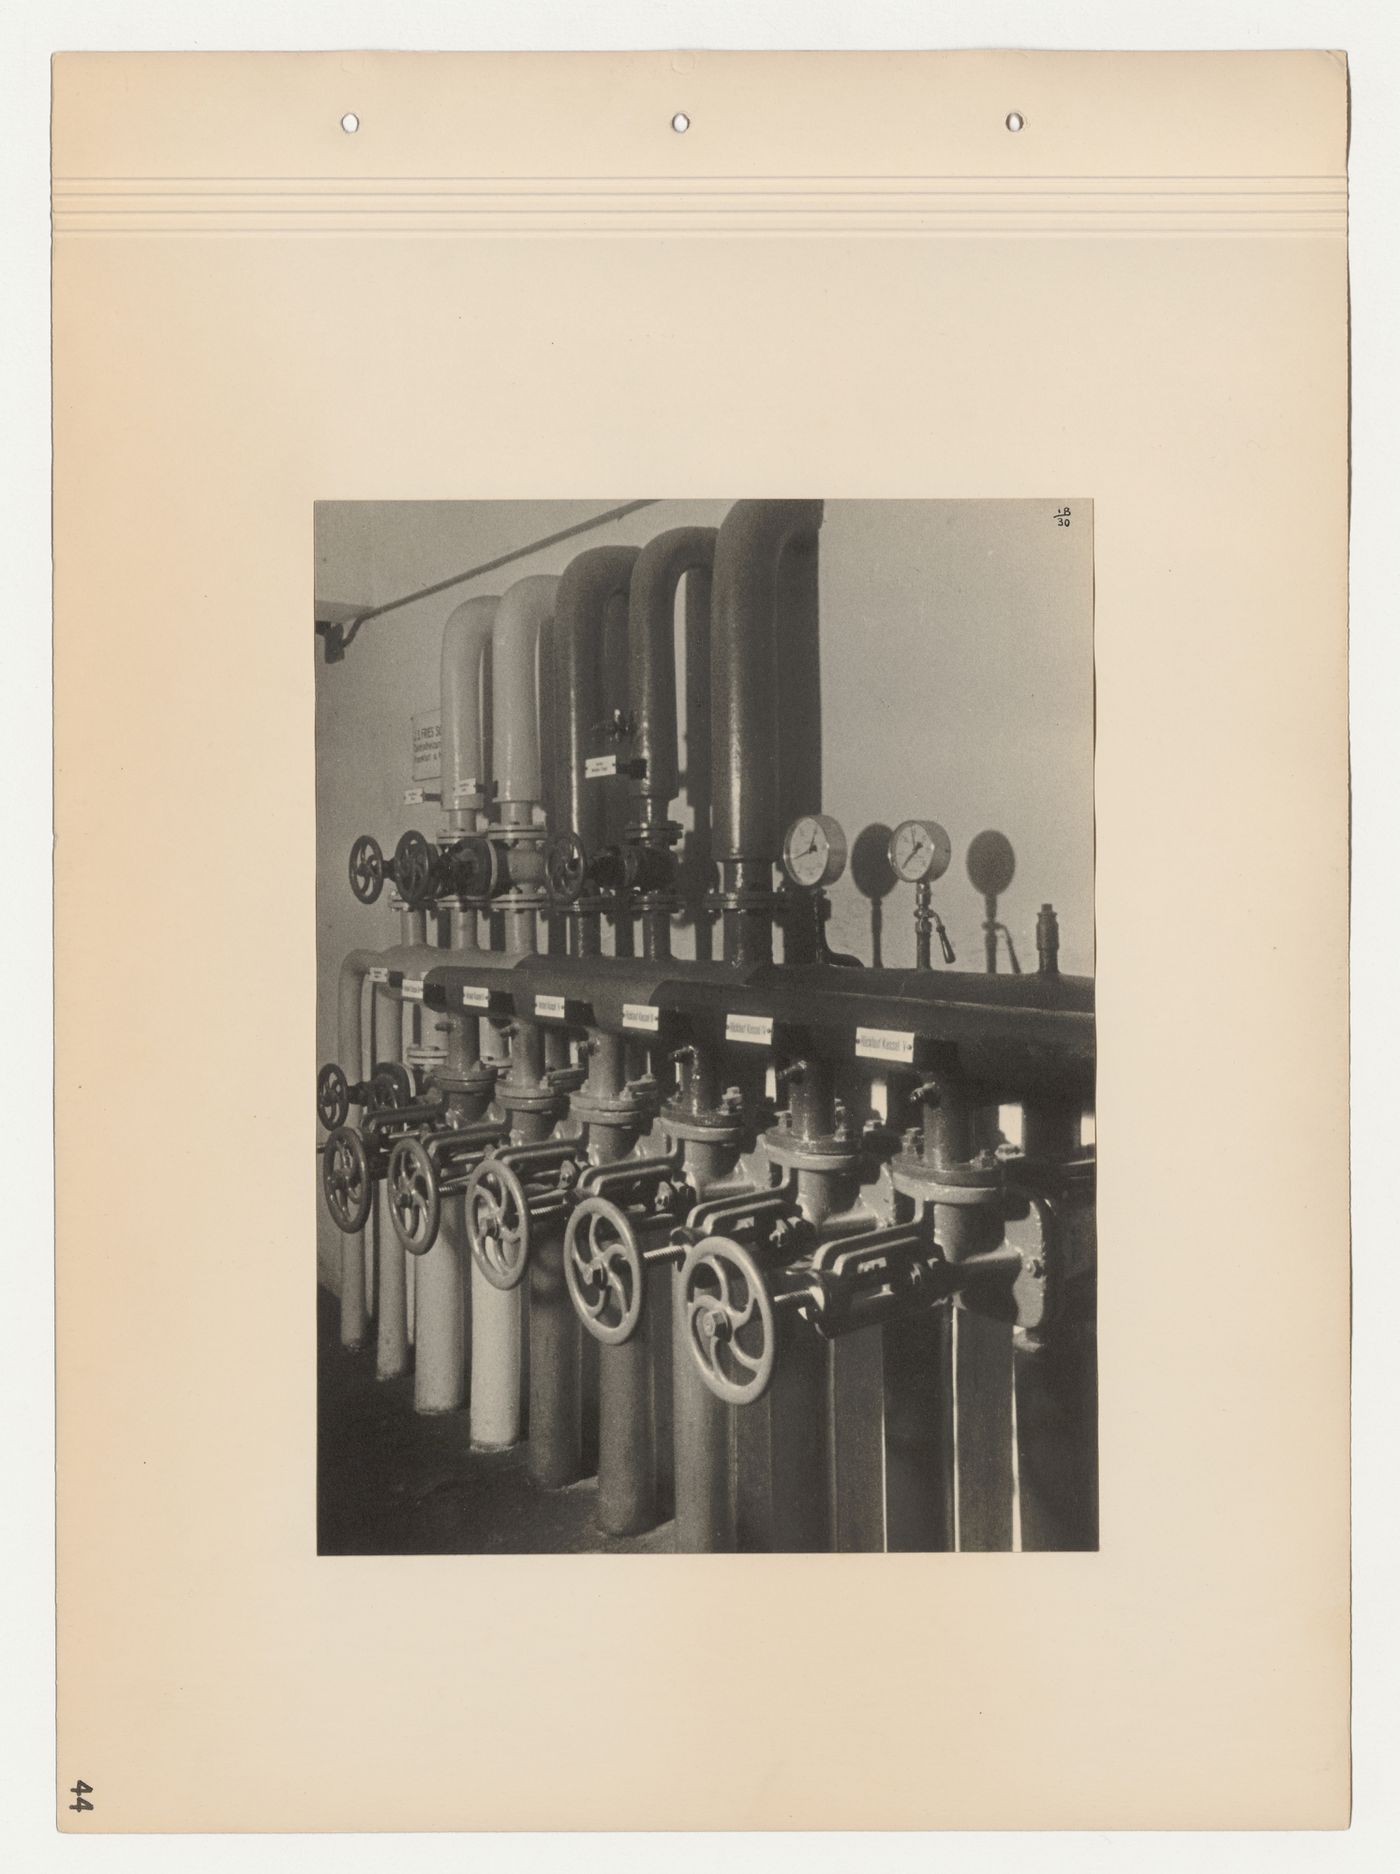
pixel 663 563
pixel 755 540
pixel 592 583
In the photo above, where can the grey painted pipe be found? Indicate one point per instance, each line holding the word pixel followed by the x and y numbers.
pixel 465 684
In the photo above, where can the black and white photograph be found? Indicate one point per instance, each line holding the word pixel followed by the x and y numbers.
pixel 705 1092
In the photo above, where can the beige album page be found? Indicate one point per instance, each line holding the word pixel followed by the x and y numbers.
pixel 1028 374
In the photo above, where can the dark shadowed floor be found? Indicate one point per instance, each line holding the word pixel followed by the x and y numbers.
pixel 390 1482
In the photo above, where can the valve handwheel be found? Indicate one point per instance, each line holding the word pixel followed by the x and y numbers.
pixel 391 1086
pixel 729 1324
pixel 566 868
pixel 366 869
pixel 415 1201
pixel 604 1271
pixel 345 1179
pixel 498 1223
pixel 332 1097
pixel 415 870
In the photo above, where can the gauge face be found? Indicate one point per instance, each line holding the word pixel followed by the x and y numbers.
pixel 920 851
pixel 814 851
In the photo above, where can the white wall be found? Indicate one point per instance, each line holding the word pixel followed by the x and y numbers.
pixel 957 685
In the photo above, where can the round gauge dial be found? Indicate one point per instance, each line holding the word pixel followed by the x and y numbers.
pixel 920 851
pixel 814 851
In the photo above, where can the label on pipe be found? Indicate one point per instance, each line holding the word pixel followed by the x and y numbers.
pixel 413 988
pixel 378 973
pixel 413 797
pixel 465 789
pixel 427 745
pixel 551 1007
pixel 641 1015
pixel 596 766
pixel 474 998
pixel 757 1029
pixel 884 1044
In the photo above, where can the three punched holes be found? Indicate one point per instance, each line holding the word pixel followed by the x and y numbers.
pixel 680 123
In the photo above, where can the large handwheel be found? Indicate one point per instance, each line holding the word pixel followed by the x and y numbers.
pixel 332 1097
pixel 366 869
pixel 566 868
pixel 604 1271
pixel 415 870
pixel 345 1179
pixel 415 1201
pixel 498 1223
pixel 729 1324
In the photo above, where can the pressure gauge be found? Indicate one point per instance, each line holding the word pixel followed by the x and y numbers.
pixel 814 851
pixel 920 851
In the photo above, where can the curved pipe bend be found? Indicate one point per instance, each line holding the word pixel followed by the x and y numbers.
pixel 591 585
pixel 524 614
pixel 660 567
pixel 754 540
pixel 466 691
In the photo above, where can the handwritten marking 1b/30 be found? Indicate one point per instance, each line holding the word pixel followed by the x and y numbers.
pixel 1062 517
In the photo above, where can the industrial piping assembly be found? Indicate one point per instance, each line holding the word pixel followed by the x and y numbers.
pixel 746 1227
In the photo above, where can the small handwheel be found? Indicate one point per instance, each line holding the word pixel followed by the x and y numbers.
pixel 345 1179
pixel 366 869
pixel 390 1087
pixel 415 1202
pixel 498 1223
pixel 566 868
pixel 415 870
pixel 604 1270
pixel 471 867
pixel 332 1097
pixel 729 1324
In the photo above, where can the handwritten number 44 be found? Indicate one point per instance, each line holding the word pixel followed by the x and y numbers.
pixel 1062 517
pixel 82 1791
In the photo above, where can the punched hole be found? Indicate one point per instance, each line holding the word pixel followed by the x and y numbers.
pixel 349 123
pixel 680 123
pixel 1015 121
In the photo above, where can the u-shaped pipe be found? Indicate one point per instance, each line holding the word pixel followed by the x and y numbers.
pixel 593 583
pixel 761 545
pixel 660 567
pixel 465 690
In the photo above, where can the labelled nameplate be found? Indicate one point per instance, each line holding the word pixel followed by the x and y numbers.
pixel 413 988
pixel 884 1044
pixel 427 745
pixel 413 797
pixel 641 1015
pixel 378 973
pixel 551 1007
pixel 756 1029
pixel 596 766
pixel 474 998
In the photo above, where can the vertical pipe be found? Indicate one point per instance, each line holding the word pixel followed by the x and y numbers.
pixel 497 1315
pixel 354 1312
pixel 391 1354
pixel 1057 1384
pixel 465 690
pixel 626 1404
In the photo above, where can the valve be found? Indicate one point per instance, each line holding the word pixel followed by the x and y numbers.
pixel 346 1179
pixel 498 1223
pixel 334 1096
pixel 366 869
pixel 604 1270
pixel 389 1087
pixel 730 1326
pixel 417 871
pixel 425 1168
pixel 472 868
pixel 566 868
